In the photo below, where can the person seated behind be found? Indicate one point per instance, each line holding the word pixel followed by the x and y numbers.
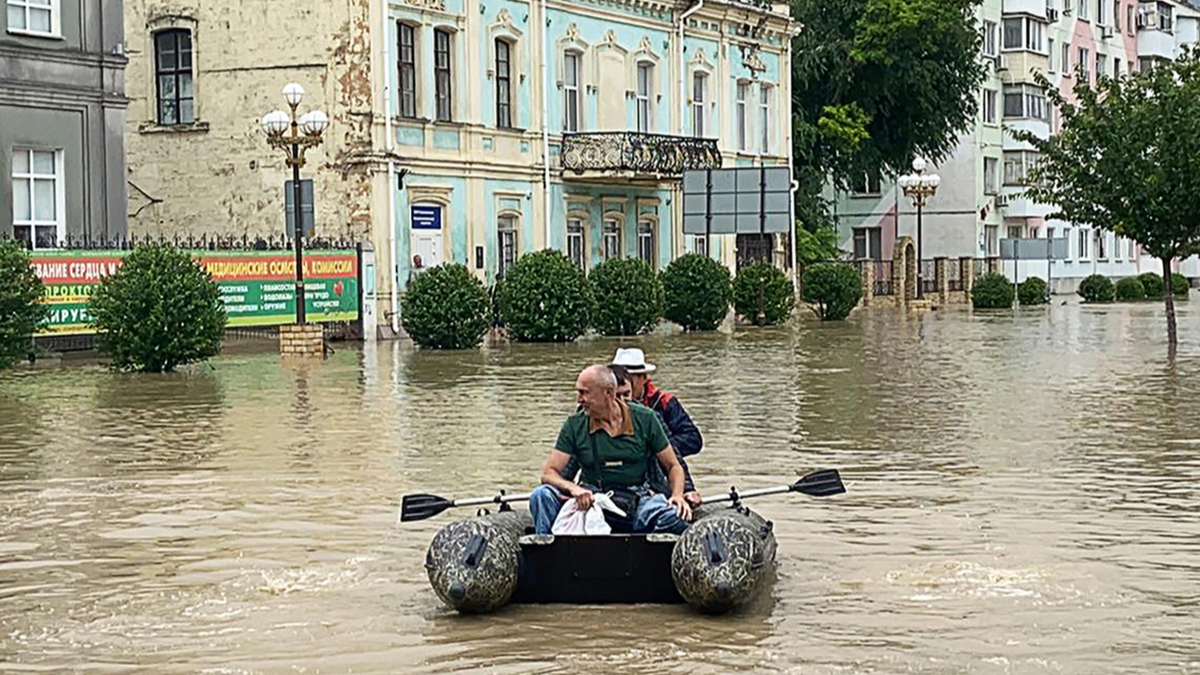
pixel 614 442
pixel 655 480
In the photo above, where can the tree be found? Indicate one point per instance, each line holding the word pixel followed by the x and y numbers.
pixel 1127 160
pixel 446 308
pixel 21 308
pixel 875 82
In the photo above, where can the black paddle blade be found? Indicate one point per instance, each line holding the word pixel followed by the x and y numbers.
pixel 420 507
pixel 820 483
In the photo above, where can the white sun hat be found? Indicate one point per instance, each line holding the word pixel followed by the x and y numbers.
pixel 634 360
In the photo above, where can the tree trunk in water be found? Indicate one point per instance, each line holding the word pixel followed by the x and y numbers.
pixel 1169 296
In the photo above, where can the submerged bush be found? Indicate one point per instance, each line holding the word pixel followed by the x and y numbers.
pixel 696 291
pixel 992 291
pixel 1152 283
pixel 446 307
pixel 833 289
pixel 1096 288
pixel 545 298
pixel 1129 289
pixel 629 297
pixel 21 308
pixel 1033 291
pixel 1179 284
pixel 763 294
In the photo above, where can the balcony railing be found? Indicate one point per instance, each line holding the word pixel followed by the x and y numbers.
pixel 638 153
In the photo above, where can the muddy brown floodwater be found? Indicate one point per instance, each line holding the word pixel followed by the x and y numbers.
pixel 1022 499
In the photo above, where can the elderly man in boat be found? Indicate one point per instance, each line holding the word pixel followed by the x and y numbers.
pixel 615 443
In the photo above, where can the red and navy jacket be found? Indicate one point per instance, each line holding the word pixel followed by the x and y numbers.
pixel 681 431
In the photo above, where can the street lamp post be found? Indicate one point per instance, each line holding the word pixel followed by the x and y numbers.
pixel 919 187
pixel 305 133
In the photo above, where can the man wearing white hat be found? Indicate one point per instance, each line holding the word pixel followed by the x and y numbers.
pixel 681 431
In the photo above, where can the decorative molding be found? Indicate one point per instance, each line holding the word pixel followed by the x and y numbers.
pixel 439 5
pixel 638 153
pixel 430 193
pixel 504 28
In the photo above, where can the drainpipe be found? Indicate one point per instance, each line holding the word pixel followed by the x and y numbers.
pixel 545 122
pixel 389 144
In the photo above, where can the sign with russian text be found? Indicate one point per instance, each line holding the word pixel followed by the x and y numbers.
pixel 427 217
pixel 257 287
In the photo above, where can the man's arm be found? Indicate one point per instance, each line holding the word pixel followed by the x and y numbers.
pixel 675 479
pixel 685 436
pixel 552 475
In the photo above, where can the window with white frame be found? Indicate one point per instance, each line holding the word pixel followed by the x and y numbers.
pixel 700 245
pixel 1116 15
pixel 575 246
pixel 699 101
pixel 991 235
pixel 868 184
pixel 506 244
pixel 1101 65
pixel 173 74
pixel 441 73
pixel 1082 8
pixel 1082 64
pixel 503 83
pixel 740 114
pixel 1025 33
pixel 571 91
pixel 1024 101
pixel 645 81
pixel 1082 245
pixel 989 106
pixel 1017 164
pixel 38 197
pixel 645 235
pixel 1101 249
pixel 765 92
pixel 408 70
pixel 612 238
pixel 991 175
pixel 1050 54
pixel 1066 58
pixel 989 38
pixel 36 17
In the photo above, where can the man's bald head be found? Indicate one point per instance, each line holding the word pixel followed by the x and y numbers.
pixel 596 389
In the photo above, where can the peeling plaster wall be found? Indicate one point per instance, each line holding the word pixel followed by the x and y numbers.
pixel 218 176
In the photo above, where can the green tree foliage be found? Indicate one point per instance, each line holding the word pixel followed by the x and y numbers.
pixel 21 309
pixel 1127 160
pixel 545 298
pixel 697 292
pixel 763 294
pixel 992 291
pixel 1096 288
pixel 1033 291
pixel 833 289
pixel 816 245
pixel 1152 283
pixel 876 82
pixel 446 307
pixel 159 310
pixel 1129 288
pixel 629 297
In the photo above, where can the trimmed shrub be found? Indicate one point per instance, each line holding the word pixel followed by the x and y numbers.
pixel 159 310
pixel 545 298
pixel 1129 289
pixel 833 289
pixel 21 309
pixel 446 307
pixel 1096 288
pixel 629 297
pixel 696 292
pixel 1033 291
pixel 763 294
pixel 1179 284
pixel 992 291
pixel 1152 283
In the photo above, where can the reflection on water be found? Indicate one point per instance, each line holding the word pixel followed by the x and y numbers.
pixel 1022 499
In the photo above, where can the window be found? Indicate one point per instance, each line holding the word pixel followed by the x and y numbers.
pixel 646 241
pixel 1116 69
pixel 1101 65
pixel 1082 65
pixel 506 244
pixel 1015 231
pixel 1023 33
pixel 38 196
pixel 1116 15
pixel 575 247
pixel 740 114
pixel 989 106
pixel 408 71
pixel 645 78
pixel 992 234
pixel 1016 164
pixel 1024 101
pixel 1099 12
pixel 173 71
pixel 1066 57
pixel 612 238
pixel 441 74
pixel 1145 64
pixel 40 17
pixel 306 208
pixel 699 96
pixel 503 85
pixel 1012 33
pixel 1050 54
pixel 1101 253
pixel 991 177
pixel 1083 9
pixel 1129 19
pixel 1033 35
pixel 869 184
pixel 1083 252
pixel 571 91
pixel 989 38
pixel 1165 21
pixel 700 245
pixel 764 114
pixel 867 243
pixel 1131 250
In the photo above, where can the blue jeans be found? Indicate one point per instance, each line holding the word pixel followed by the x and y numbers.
pixel 654 513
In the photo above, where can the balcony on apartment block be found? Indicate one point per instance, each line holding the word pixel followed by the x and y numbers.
pixel 635 156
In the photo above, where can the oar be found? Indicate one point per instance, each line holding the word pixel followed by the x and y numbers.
pixel 817 484
pixel 420 507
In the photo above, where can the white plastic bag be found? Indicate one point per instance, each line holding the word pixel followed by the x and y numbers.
pixel 571 520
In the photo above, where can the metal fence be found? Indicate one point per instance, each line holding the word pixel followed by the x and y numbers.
pixel 980 267
pixel 954 275
pixel 883 277
pixel 928 277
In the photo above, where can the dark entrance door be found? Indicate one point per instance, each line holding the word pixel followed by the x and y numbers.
pixel 752 248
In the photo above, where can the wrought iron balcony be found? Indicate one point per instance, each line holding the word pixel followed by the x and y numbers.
pixel 639 154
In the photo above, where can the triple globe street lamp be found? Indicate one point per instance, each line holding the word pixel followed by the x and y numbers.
pixel 305 133
pixel 919 187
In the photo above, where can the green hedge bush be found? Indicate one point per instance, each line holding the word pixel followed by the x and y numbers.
pixel 1128 289
pixel 992 291
pixel 629 297
pixel 833 289
pixel 1179 284
pixel 1096 288
pixel 763 294
pixel 159 310
pixel 1033 291
pixel 696 292
pixel 545 298
pixel 1152 284
pixel 21 309
pixel 446 307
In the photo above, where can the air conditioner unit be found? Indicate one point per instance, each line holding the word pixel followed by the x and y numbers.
pixel 1001 63
pixel 1106 31
pixel 1051 14
pixel 1001 201
pixel 1066 11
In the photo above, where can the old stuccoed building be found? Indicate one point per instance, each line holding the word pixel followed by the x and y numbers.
pixel 62 121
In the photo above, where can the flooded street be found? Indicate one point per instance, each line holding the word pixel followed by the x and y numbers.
pixel 1022 498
